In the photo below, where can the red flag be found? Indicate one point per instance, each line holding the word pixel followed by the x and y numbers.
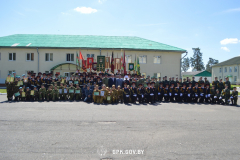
pixel 112 64
pixel 83 61
pixel 81 57
pixel 124 64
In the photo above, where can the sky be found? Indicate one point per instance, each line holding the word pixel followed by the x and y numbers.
pixel 211 25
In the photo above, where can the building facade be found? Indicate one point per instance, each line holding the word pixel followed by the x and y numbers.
pixel 37 54
pixel 229 68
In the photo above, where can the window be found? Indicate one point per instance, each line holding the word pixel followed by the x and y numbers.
pixel 49 57
pixel 90 55
pixel 157 75
pixel 12 57
pixel 156 59
pixel 225 69
pixel 144 74
pixel 235 68
pixel 128 59
pixel 235 78
pixel 220 70
pixel 230 69
pixel 11 72
pixel 70 57
pixel 142 59
pixel 67 74
pixel 28 72
pixel 30 56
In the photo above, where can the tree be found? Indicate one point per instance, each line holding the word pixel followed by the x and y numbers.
pixel 196 61
pixel 185 64
pixel 211 62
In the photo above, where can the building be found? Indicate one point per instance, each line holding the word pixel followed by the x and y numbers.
pixel 197 75
pixel 228 68
pixel 22 53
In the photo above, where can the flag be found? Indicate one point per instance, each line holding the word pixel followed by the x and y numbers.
pixel 138 67
pixel 83 62
pixel 77 62
pixel 121 61
pixel 135 64
pixel 112 64
pixel 124 64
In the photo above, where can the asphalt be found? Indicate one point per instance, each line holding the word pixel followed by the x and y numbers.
pixel 77 130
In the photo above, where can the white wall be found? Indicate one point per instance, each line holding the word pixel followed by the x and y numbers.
pixel 169 66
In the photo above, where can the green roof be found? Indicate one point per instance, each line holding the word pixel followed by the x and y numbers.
pixel 232 61
pixel 204 74
pixel 60 65
pixel 83 41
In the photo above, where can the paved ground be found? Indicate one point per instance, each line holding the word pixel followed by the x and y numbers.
pixel 76 130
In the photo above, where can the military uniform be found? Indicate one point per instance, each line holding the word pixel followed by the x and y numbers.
pixel 226 95
pixel 78 96
pixel 71 95
pixel 103 99
pixel 166 93
pixel 234 97
pixel 96 99
pixel 160 91
pixel 55 94
pixel 49 94
pixel 109 98
pixel 65 92
pixel 42 93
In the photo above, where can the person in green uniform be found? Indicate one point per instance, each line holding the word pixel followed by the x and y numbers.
pixel 27 94
pixel 227 82
pixel 105 80
pixel 114 94
pixel 71 90
pixel 220 86
pixel 78 93
pixel 215 82
pixel 60 91
pixel 49 93
pixel 212 94
pixel 55 94
pixel 42 93
pixel 22 96
pixel 206 82
pixel 226 94
pixel 234 96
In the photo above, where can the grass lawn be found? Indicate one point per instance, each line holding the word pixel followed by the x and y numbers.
pixel 3 91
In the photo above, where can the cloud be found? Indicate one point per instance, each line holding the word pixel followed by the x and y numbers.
pixel 85 10
pixel 101 1
pixel 229 41
pixel 65 13
pixel 225 49
pixel 233 10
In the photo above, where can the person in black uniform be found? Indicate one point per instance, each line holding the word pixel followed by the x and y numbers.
pixel 153 92
pixel 177 93
pixel 171 92
pixel 196 92
pixel 166 93
pixel 183 93
pixel 38 83
pixel 140 93
pixel 189 92
pixel 147 92
pixel 160 91
pixel 133 92
pixel 99 82
pixel 202 93
pixel 126 93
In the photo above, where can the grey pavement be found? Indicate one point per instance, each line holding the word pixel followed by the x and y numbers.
pixel 77 130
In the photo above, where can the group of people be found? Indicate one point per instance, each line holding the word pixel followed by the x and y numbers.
pixel 117 88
